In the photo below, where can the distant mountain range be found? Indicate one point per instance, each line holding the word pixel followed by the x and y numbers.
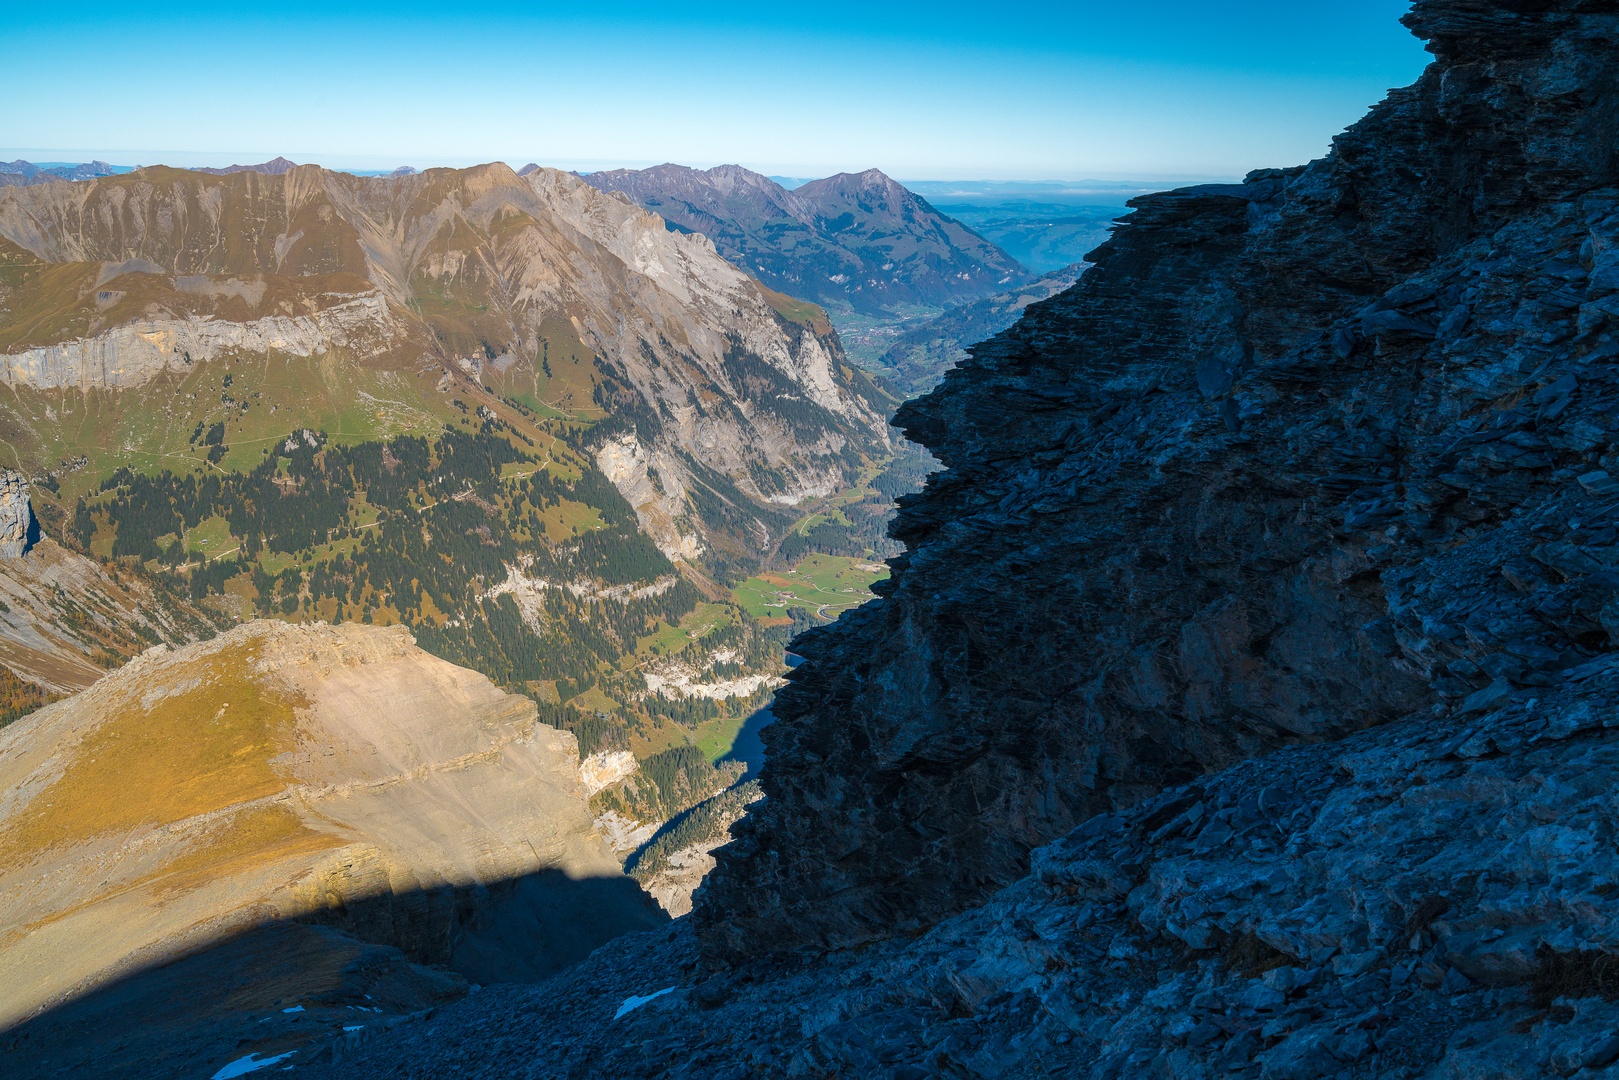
pixel 278 165
pixel 274 167
pixel 20 172
pixel 854 242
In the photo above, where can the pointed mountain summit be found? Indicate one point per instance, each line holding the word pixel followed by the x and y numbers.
pixel 274 167
pixel 856 242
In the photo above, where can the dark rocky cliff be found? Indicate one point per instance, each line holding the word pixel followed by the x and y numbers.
pixel 1297 457
pixel 1247 704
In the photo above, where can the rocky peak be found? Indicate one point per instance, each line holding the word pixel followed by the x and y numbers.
pixel 276 166
pixel 167 268
pixel 854 241
pixel 235 792
pixel 16 515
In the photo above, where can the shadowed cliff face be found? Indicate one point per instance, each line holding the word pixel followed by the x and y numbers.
pixel 1297 457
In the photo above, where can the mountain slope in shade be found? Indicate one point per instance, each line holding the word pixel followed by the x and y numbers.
pixel 335 776
pixel 855 241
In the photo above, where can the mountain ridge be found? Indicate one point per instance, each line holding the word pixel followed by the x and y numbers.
pixel 854 240
pixel 350 265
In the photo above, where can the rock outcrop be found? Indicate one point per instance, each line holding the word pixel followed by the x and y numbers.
pixel 329 776
pixel 1423 899
pixel 16 515
pixel 1297 457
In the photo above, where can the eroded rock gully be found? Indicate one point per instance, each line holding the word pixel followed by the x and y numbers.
pixel 1245 704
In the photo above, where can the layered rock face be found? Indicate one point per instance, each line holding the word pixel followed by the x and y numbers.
pixel 65 617
pixel 16 515
pixel 1298 457
pixel 457 282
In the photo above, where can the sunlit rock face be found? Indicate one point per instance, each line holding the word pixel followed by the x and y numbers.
pixel 16 515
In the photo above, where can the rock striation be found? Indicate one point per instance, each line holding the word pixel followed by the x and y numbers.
pixel 16 515
pixel 1295 458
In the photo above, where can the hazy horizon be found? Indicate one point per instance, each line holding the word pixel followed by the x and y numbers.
pixel 193 159
pixel 937 91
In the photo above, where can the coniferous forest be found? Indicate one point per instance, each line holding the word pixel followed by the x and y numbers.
pixel 523 564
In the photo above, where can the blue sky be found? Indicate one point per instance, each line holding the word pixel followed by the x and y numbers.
pixel 927 91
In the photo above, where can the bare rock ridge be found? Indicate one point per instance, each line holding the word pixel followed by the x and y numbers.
pixel 856 241
pixel 1245 705
pixel 336 777
pixel 16 515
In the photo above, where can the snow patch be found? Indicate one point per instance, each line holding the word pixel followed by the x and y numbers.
pixel 253 1063
pixel 636 1002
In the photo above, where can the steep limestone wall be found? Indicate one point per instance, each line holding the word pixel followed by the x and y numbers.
pixel 132 355
pixel 16 515
pixel 1299 456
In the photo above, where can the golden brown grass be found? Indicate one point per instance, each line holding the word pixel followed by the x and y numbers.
pixel 199 750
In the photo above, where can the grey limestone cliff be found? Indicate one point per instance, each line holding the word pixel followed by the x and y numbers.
pixel 16 515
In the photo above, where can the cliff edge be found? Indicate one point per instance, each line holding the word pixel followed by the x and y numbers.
pixel 324 810
pixel 1297 457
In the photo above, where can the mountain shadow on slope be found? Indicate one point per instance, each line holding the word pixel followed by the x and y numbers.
pixel 323 983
